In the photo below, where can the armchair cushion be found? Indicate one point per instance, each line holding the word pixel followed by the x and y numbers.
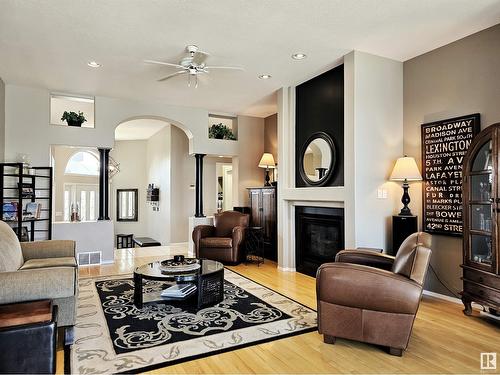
pixel 49 262
pixel 11 256
pixel 367 288
pixel 366 258
pixel 36 284
pixel 211 242
pixel 227 220
pixel 48 249
pixel 413 257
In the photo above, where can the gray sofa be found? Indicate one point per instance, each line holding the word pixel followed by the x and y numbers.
pixel 39 270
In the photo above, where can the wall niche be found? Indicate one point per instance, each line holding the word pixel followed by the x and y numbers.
pixel 319 107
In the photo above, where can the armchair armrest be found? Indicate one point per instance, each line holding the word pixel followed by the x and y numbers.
pixel 35 284
pixel 238 235
pixel 365 257
pixel 48 249
pixel 367 288
pixel 199 232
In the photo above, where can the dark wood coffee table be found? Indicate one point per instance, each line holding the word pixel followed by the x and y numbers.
pixel 209 280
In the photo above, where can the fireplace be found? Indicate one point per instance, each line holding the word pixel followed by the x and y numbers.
pixel 319 235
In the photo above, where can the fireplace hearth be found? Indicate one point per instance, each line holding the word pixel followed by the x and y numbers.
pixel 319 235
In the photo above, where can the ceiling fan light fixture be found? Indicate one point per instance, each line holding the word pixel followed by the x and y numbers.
pixel 264 76
pixel 299 56
pixel 94 64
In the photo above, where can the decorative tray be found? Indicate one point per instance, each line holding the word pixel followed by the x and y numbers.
pixel 186 265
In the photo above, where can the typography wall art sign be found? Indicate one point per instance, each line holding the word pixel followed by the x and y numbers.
pixel 444 145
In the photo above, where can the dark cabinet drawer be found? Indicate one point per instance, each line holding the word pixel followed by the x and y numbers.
pixel 490 280
pixel 482 292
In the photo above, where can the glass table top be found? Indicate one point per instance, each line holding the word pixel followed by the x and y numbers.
pixel 153 270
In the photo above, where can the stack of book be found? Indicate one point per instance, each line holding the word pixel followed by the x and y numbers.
pixel 179 291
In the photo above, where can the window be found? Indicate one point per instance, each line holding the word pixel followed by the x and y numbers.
pixel 83 163
pixel 83 199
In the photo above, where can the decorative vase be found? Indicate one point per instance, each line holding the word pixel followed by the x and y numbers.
pixel 74 123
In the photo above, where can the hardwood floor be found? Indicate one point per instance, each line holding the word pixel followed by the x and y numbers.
pixel 443 339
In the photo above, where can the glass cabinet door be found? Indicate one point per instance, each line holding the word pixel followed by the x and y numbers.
pixel 481 207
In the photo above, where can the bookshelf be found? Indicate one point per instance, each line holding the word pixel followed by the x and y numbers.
pixel 26 200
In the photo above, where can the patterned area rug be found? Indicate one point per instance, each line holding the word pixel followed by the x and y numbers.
pixel 113 336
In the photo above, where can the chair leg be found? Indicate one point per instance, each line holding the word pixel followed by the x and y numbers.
pixel 395 351
pixel 327 339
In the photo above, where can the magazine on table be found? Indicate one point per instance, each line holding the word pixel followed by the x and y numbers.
pixel 179 290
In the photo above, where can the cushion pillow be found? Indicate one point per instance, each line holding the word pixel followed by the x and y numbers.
pixel 11 256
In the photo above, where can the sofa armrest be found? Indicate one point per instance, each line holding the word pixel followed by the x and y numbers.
pixel 36 284
pixel 365 257
pixel 238 235
pixel 48 249
pixel 367 288
pixel 199 232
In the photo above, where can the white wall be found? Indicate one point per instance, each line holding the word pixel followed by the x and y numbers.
pixel 373 141
pixel 158 173
pixel 133 175
pixel 181 177
pixel 378 142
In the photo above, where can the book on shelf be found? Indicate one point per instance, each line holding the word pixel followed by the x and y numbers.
pixel 179 290
pixel 32 211
pixel 9 211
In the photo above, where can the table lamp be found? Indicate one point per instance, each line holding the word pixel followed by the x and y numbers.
pixel 405 170
pixel 267 161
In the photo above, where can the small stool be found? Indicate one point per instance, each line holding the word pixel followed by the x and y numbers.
pixel 28 337
pixel 124 241
pixel 254 245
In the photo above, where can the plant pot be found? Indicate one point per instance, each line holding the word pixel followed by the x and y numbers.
pixel 74 123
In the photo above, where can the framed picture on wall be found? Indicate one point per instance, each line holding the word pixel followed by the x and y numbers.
pixel 444 145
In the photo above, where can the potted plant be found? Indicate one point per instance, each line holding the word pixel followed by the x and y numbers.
pixel 73 118
pixel 220 131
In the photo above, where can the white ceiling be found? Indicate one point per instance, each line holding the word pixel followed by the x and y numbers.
pixel 139 129
pixel 48 43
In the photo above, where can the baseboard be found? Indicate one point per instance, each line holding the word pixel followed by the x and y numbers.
pixel 459 302
pixel 442 296
pixel 286 269
pixel 107 262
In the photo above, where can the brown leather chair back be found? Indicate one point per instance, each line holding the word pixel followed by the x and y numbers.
pixel 227 220
pixel 413 256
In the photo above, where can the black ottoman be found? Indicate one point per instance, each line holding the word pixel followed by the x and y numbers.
pixel 28 337
pixel 146 242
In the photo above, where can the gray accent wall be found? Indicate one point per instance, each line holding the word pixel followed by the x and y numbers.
pixel 2 120
pixel 457 79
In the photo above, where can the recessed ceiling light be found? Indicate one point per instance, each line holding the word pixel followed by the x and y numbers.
pixel 299 56
pixel 94 64
pixel 264 76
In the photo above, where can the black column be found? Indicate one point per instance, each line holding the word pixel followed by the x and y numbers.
pixel 199 185
pixel 104 183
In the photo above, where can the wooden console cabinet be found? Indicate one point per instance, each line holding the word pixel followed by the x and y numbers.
pixel 481 211
pixel 263 214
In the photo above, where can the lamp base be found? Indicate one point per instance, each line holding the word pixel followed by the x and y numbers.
pixel 267 178
pixel 405 199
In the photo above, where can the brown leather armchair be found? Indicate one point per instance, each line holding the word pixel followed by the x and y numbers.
pixel 372 297
pixel 224 241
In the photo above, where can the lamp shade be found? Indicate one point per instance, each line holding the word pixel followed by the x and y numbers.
pixel 406 169
pixel 267 161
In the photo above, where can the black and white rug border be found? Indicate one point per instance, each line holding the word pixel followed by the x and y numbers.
pixel 90 345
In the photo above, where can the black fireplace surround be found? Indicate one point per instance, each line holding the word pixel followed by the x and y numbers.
pixel 319 236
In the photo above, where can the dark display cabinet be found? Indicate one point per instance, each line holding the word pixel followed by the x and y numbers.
pixel 263 214
pixel 481 208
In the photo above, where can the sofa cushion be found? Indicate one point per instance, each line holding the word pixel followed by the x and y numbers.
pixel 49 262
pixel 216 242
pixel 11 256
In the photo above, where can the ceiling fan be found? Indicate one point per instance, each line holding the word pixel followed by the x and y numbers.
pixel 192 64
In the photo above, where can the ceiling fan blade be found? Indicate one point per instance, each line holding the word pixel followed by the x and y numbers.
pixel 163 63
pixel 199 57
pixel 225 67
pixel 172 75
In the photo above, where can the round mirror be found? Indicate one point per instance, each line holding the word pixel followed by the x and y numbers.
pixel 317 159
